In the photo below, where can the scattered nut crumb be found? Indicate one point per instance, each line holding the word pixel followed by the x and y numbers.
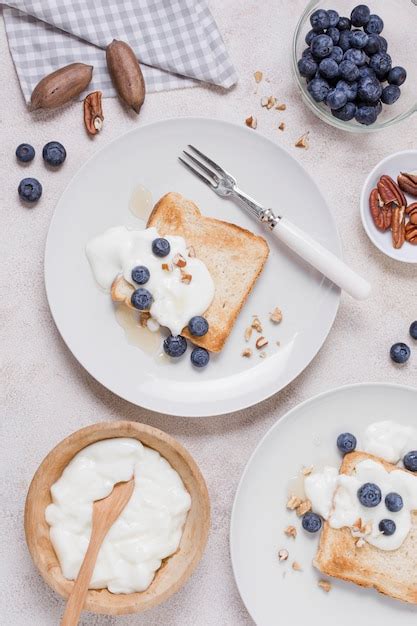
pixel 247 352
pixel 144 316
pixel 293 502
pixel 303 141
pixel 297 567
pixel 179 260
pixel 283 555
pixel 281 126
pixel 306 471
pixel 261 342
pixel 291 531
pixel 251 122
pixel 191 251
pixel 167 267
pixel 281 107
pixel 304 507
pixel 258 76
pixel 263 355
pixel 276 315
pixel 326 585
pixel 264 101
pixel 268 101
pixel 186 278
pixel 248 333
pixel 256 324
pixel 360 542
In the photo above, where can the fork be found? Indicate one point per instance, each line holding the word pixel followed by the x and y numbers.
pixel 225 185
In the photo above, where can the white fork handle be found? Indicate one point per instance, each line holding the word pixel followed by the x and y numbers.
pixel 322 259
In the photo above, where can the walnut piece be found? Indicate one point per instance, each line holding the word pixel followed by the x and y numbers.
pixel 291 531
pixel 306 471
pixel 283 555
pixel 258 75
pixel 304 507
pixel 303 141
pixel 297 567
pixel 293 502
pixel 261 342
pixel 247 352
pixel 326 585
pixel 251 122
pixel 281 126
pixel 281 107
pixel 276 315
pixel 248 333
pixel 256 324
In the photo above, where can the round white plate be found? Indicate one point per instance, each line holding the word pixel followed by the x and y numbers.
pixel 272 592
pixel 392 165
pixel 98 197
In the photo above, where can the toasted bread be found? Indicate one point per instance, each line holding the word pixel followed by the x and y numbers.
pixel 234 257
pixel 393 573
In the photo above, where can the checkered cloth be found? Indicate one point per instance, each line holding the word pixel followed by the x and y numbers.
pixel 176 41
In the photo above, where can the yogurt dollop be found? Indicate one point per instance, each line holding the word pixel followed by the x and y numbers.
pixel 389 440
pixel 148 530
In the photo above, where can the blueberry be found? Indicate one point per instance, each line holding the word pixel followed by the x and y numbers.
pixel 310 36
pixel 390 94
pixel 333 17
pixel 318 88
pixel 336 99
pixel 375 25
pixel 54 153
pixel 25 152
pixel 397 76
pixel 369 495
pixel 366 115
pixel 350 89
pixel 161 247
pixel 355 56
pixel 336 54
pixel 346 442
pixel 413 330
pixel 344 24
pixel 383 44
pixel 387 527
pixel 373 45
pixel 366 71
pixel 321 46
pixel 334 35
pixel 200 357
pixel 346 113
pixel 30 189
pixel 348 70
pixel 369 90
pixel 307 67
pixel 360 15
pixel 140 274
pixel 307 54
pixel 394 502
pixel 141 299
pixel 328 68
pixel 344 40
pixel 378 107
pixel 410 461
pixel 311 522
pixel 319 20
pixel 198 326
pixel 175 346
pixel 380 63
pixel 358 39
pixel 399 353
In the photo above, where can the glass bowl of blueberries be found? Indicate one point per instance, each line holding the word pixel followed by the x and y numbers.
pixel 356 65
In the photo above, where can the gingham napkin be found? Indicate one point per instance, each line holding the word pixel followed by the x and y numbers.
pixel 176 41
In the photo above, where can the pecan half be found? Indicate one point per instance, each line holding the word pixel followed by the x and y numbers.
pixel 380 213
pixel 411 211
pixel 398 226
pixel 411 233
pixel 93 113
pixel 408 183
pixel 390 192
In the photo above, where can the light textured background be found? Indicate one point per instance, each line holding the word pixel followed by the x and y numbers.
pixel 46 395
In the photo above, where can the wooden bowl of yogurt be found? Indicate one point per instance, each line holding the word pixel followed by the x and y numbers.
pixel 169 514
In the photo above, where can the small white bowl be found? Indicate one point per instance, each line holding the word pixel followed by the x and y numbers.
pixel 392 165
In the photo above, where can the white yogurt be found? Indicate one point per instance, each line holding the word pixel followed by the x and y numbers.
pixel 148 530
pixel 389 440
pixel 175 302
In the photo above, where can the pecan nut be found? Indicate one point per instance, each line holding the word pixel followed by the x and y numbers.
pixel 398 227
pixel 411 233
pixel 411 211
pixel 93 113
pixel 408 183
pixel 381 214
pixel 390 192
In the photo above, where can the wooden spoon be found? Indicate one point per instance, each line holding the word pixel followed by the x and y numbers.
pixel 105 513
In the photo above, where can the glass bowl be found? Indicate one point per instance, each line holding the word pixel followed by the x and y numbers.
pixel 400 19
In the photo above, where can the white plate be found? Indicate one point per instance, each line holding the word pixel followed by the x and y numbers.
pixel 392 165
pixel 98 197
pixel 272 592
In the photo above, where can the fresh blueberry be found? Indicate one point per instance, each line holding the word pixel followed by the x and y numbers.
pixel 400 353
pixel 321 46
pixel 30 189
pixel 344 24
pixel 161 247
pixel 346 113
pixel 378 107
pixel 358 39
pixel 334 34
pixel 373 45
pixel 336 99
pixel 355 56
pixel 200 357
pixel 346 442
pixel 366 72
pixel 54 153
pixel 198 326
pixel 175 346
pixel 413 330
pixel 390 94
pixel 344 40
pixel 360 15
pixel 25 152
pixel 350 89
pixel 383 44
pixel 307 67
pixel 328 68
pixel 380 63
pixel 311 522
pixel 141 299
pixel 336 54
pixel 307 54
pixel 318 88
pixel 397 76
pixel 319 20
pixel 369 495
pixel 310 36
pixel 333 17
pixel 387 527
pixel 369 90
pixel 410 461
pixel 348 71
pixel 375 25
pixel 140 274
pixel 366 115
pixel 394 502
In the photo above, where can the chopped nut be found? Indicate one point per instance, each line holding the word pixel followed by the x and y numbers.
pixel 268 101
pixel 360 542
pixel 93 113
pixel 360 528
pixel 143 318
pixel 276 316
pixel 304 507
pixel 258 76
pixel 167 267
pixel 306 471
pixel 191 251
pixel 281 126
pixel 297 567
pixel 261 342
pixel 247 352
pixel 283 555
pixel 248 333
pixel 264 101
pixel 263 355
pixel 281 107
pixel 251 122
pixel 326 585
pixel 303 141
pixel 256 324
pixel 291 531
pixel 179 260
pixel 185 278
pixel 293 502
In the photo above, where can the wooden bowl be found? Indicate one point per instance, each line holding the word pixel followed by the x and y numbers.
pixel 175 570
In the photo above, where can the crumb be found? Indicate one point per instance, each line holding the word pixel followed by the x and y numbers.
pixel 191 251
pixel 256 324
pixel 247 352
pixel 261 342
pixel 258 76
pixel 293 502
pixel 283 555
pixel 276 315
pixel 144 316
pixel 296 567
pixel 251 122
pixel 304 507
pixel 268 101
pixel 291 531
pixel 281 126
pixel 281 107
pixel 303 141
pixel 306 471
pixel 263 355
pixel 326 585
pixel 248 333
